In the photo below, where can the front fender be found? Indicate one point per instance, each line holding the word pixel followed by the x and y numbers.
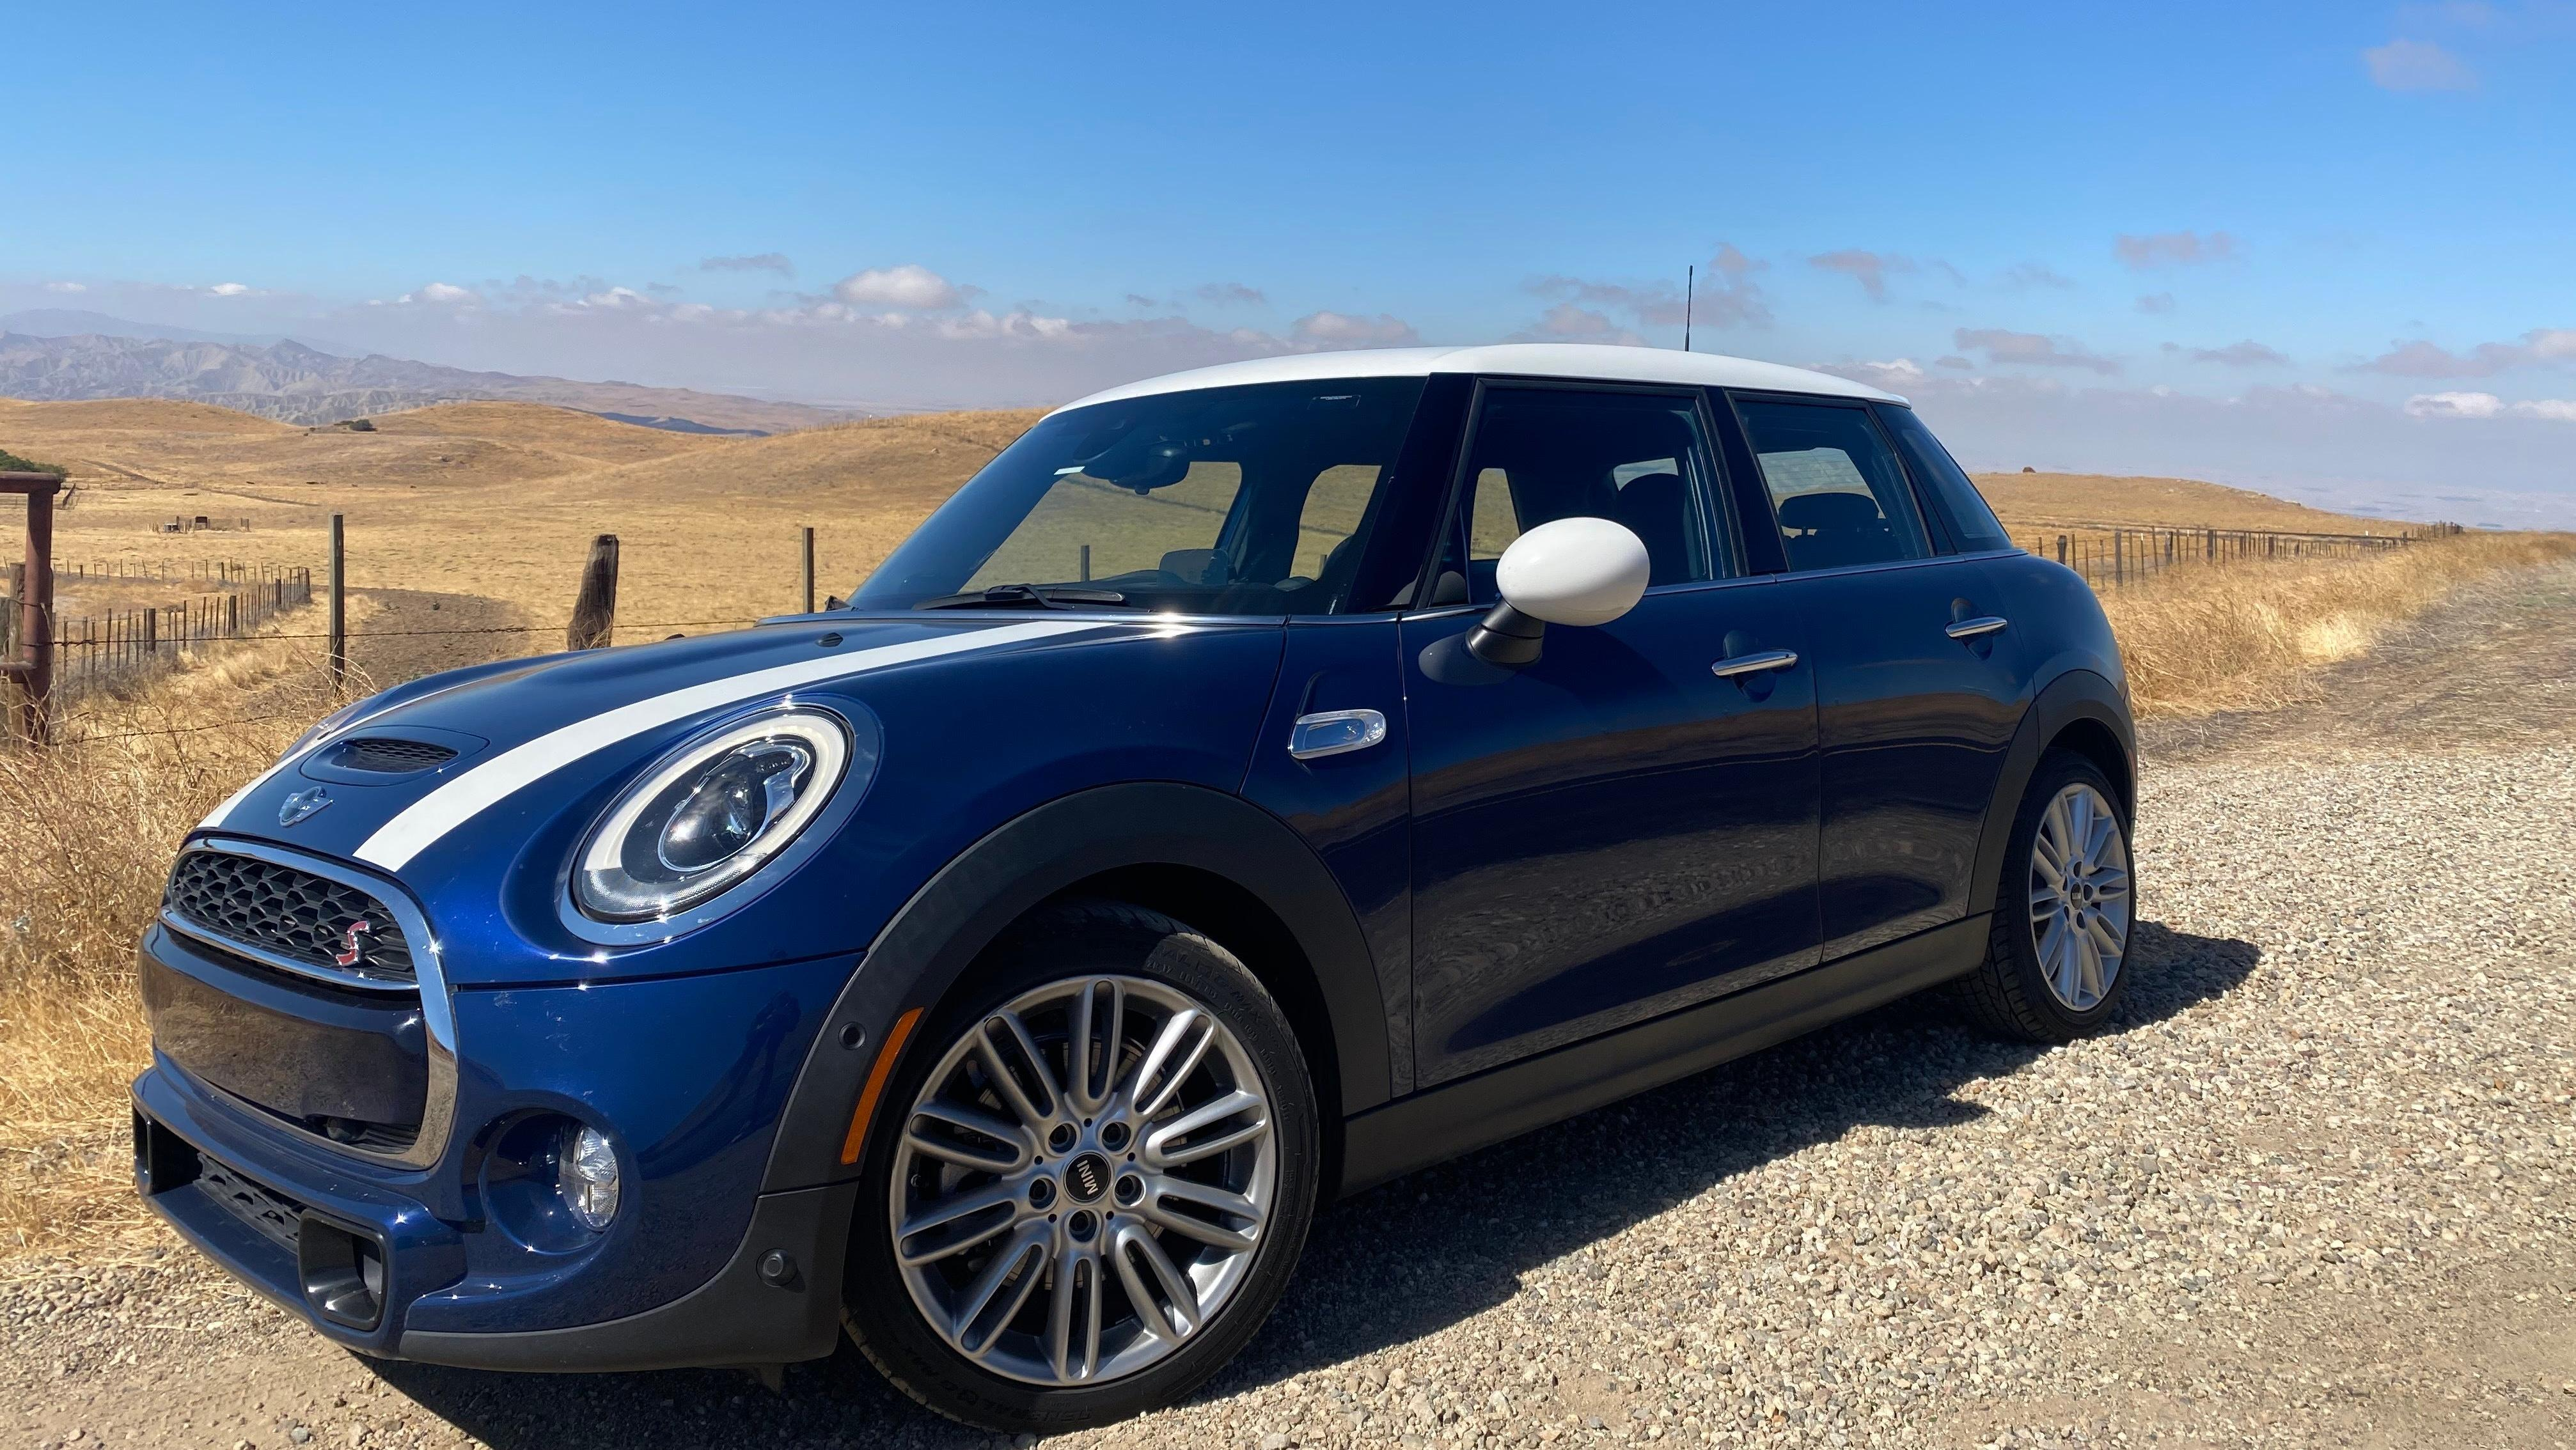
pixel 937 935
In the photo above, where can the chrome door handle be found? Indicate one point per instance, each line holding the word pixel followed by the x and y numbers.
pixel 1754 663
pixel 1335 732
pixel 1971 628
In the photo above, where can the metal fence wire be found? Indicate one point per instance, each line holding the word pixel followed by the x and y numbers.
pixel 2112 556
pixel 239 599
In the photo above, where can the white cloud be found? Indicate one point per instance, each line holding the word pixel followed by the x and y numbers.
pixel 2156 303
pixel 763 262
pixel 1869 269
pixel 914 288
pixel 2421 359
pixel 229 289
pixel 2175 249
pixel 1896 374
pixel 2417 65
pixel 2031 348
pixel 1566 322
pixel 2246 354
pixel 443 292
pixel 2488 405
pixel 66 287
pixel 1337 329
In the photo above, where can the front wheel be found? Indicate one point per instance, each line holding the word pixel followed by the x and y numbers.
pixel 2056 956
pixel 1100 1181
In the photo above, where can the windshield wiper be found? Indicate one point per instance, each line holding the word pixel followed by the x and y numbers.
pixel 1026 596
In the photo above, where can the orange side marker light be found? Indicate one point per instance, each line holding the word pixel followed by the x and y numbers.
pixel 877 1075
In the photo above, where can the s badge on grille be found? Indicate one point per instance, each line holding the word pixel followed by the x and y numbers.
pixel 302 805
pixel 353 942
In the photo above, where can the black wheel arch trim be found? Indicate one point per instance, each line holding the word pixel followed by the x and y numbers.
pixel 2071 697
pixel 932 940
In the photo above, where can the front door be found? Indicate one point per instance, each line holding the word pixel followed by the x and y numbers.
pixel 1615 831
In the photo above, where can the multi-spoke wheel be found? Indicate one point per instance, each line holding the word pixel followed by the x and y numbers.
pixel 1096 1180
pixel 2063 916
pixel 2079 896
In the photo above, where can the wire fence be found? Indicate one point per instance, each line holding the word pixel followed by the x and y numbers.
pixel 2113 556
pixel 98 647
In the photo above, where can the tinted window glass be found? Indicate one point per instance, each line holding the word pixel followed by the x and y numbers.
pixel 1543 454
pixel 1213 501
pixel 1971 522
pixel 1839 494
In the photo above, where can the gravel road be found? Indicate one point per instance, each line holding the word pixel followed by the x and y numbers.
pixel 2312 1189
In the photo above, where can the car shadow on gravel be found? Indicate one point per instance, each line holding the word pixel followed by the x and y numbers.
pixel 1408 1259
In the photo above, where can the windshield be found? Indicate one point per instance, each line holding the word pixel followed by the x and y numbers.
pixel 1245 500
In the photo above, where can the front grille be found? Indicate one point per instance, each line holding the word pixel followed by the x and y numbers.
pixel 386 755
pixel 276 1216
pixel 334 928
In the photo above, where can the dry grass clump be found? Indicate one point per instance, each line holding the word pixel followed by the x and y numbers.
pixel 87 829
pixel 2201 639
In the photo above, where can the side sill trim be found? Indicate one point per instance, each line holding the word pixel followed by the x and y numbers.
pixel 1460 1117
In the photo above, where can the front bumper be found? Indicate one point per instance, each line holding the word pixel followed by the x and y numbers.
pixel 687 1076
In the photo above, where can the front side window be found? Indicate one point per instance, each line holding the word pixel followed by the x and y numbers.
pixel 1542 454
pixel 1250 500
pixel 1836 488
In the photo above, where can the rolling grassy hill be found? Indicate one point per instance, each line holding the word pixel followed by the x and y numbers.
pixel 499 499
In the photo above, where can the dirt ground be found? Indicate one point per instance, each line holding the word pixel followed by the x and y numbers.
pixel 2311 1188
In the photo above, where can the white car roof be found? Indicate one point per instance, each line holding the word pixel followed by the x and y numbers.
pixel 1588 360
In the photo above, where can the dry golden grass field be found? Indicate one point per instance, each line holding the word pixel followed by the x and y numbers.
pixel 477 516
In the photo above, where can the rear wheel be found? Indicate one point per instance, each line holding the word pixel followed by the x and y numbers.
pixel 1098 1185
pixel 2056 957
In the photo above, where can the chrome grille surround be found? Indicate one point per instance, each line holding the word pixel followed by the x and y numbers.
pixel 428 982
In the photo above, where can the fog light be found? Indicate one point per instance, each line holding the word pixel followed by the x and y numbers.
pixel 589 1176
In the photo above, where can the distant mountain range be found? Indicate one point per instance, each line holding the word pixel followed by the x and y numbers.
pixel 295 383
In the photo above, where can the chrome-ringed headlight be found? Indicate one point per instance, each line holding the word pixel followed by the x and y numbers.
pixel 709 815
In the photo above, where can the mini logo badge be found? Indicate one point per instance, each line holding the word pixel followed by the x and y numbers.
pixel 1087 1178
pixel 302 805
pixel 353 942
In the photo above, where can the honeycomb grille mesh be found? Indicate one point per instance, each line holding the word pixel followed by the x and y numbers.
pixel 295 914
pixel 386 755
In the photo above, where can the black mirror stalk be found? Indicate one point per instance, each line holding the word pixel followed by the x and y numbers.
pixel 1507 638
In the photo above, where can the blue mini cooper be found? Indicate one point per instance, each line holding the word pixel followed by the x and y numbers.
pixel 1253 785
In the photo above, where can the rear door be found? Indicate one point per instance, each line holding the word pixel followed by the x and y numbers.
pixel 1918 686
pixel 1615 831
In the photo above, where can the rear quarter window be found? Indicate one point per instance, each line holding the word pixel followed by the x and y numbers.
pixel 1945 485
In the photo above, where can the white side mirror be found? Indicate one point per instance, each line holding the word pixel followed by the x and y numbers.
pixel 1578 571
pixel 1574 571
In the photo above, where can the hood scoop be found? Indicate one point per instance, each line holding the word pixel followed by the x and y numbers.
pixel 388 755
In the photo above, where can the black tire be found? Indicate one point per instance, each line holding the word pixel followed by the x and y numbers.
pixel 1079 939
pixel 2009 994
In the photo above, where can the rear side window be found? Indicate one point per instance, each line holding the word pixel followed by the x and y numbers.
pixel 1839 494
pixel 1543 454
pixel 1938 474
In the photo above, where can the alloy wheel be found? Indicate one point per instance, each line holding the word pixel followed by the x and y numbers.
pixel 2079 897
pixel 1083 1180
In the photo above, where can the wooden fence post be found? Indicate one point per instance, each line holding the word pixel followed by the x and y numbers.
pixel 805 571
pixel 339 606
pixel 594 613
pixel 33 668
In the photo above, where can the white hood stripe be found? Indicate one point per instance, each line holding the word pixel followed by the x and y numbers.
pixel 460 800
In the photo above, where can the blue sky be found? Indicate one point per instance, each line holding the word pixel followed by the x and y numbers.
pixel 2263 243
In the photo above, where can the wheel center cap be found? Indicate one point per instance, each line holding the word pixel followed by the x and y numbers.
pixel 1086 1178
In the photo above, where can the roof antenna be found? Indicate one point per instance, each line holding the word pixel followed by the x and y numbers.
pixel 1690 287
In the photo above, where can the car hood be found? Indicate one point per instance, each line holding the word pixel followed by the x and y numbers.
pixel 514 725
